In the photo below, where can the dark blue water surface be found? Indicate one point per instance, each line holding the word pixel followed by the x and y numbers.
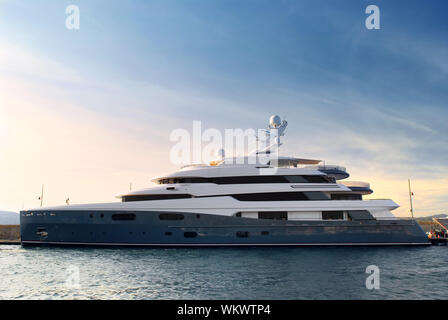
pixel 222 273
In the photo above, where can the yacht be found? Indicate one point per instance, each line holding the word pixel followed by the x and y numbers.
pixel 284 201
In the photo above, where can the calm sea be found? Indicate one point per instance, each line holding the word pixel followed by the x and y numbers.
pixel 222 273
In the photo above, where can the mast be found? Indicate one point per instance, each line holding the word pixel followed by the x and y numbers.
pixel 275 130
pixel 410 198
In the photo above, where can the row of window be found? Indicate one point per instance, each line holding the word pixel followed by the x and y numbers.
pixel 147 197
pixel 281 196
pixel 187 234
pixel 132 216
pixel 283 215
pixel 273 215
pixel 265 196
pixel 252 179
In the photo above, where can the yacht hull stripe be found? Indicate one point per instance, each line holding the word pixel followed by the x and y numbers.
pixel 230 244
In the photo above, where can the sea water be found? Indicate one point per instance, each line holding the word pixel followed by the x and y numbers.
pixel 223 273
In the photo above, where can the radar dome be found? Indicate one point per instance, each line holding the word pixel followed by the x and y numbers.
pixel 275 121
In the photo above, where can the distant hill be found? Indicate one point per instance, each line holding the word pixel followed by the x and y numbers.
pixel 8 217
pixel 429 218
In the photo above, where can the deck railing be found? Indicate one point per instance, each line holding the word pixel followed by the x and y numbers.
pixel 328 167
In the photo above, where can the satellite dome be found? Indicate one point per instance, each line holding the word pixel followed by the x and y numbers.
pixel 275 121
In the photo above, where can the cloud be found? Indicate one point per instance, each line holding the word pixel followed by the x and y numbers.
pixel 17 61
pixel 48 137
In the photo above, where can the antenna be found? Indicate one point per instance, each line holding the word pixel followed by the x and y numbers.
pixel 275 130
pixel 410 198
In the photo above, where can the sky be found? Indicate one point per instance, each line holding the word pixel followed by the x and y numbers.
pixel 87 112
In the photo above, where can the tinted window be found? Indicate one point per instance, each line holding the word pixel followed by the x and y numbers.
pixel 318 179
pixel 296 179
pixel 171 216
pixel 346 196
pixel 281 196
pixel 252 179
pixel 360 215
pixel 316 195
pixel 279 215
pixel 190 234
pixel 123 216
pixel 332 215
pixel 146 197
pixel 242 234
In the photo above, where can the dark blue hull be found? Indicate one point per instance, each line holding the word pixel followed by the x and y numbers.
pixel 148 228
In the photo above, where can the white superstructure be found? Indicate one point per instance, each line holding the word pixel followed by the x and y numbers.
pixel 215 188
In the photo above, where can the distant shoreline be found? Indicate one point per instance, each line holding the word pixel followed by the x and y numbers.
pixel 9 234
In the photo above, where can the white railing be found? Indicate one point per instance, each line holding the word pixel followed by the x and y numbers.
pixel 328 167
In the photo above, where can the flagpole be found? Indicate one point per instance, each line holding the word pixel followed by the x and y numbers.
pixel 42 196
pixel 410 198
